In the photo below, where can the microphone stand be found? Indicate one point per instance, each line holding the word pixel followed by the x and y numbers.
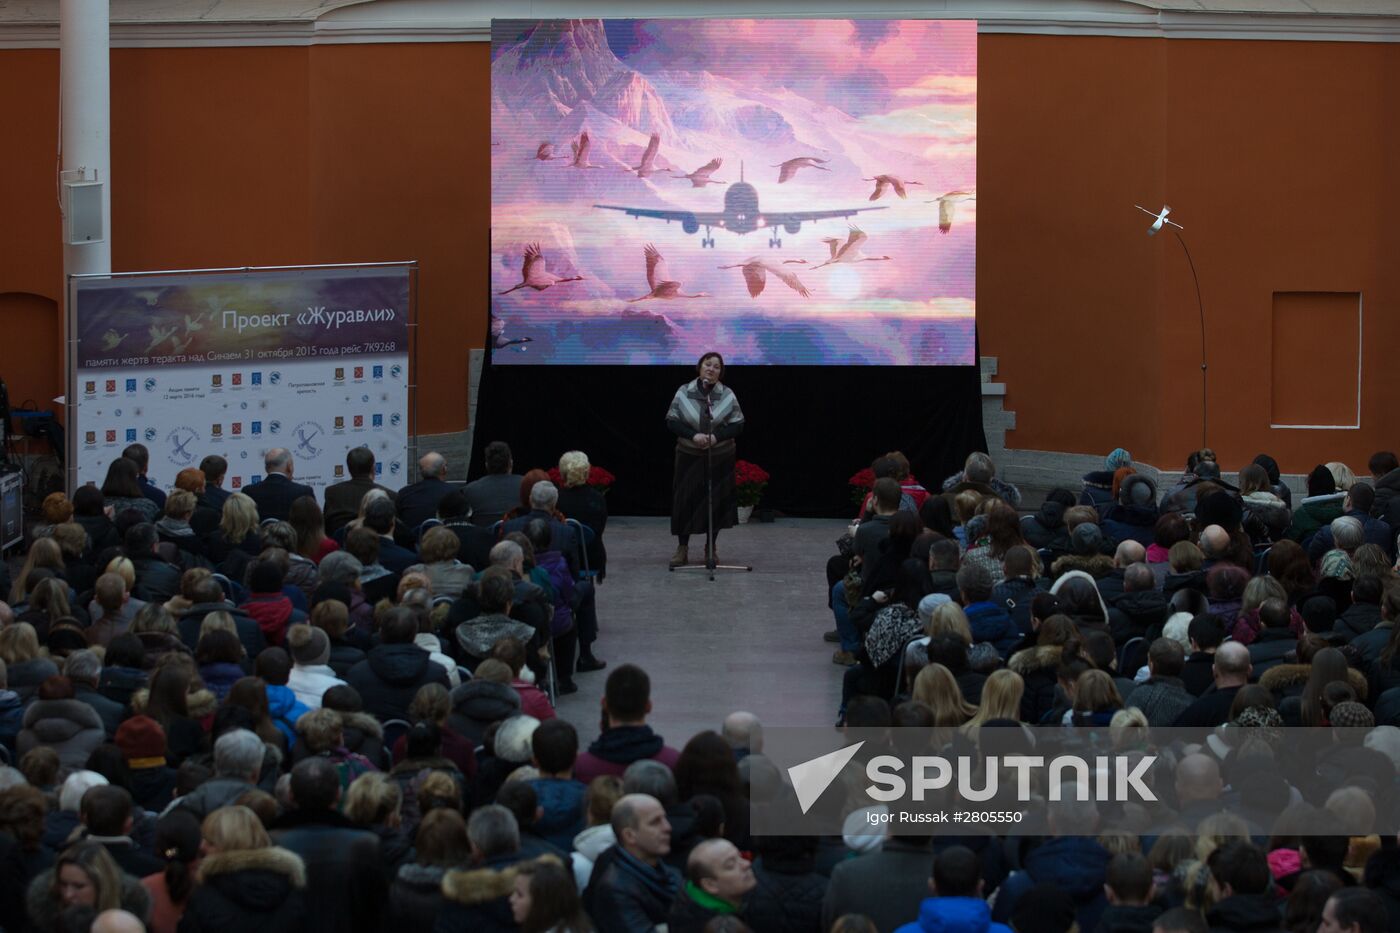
pixel 710 565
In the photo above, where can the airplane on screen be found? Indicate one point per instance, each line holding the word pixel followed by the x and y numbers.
pixel 741 215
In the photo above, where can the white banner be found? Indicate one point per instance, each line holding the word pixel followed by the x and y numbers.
pixel 313 360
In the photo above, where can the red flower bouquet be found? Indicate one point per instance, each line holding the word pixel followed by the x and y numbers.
pixel 750 480
pixel 599 478
pixel 861 483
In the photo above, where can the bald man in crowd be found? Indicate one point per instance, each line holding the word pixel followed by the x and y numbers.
pixel 1127 553
pixel 275 494
pixel 1231 671
pixel 718 878
pixel 418 501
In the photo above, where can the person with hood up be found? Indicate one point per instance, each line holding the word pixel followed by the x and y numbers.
pixel 626 737
pixel 1045 530
pixel 392 672
pixel 485 699
pixel 245 882
pixel 1246 902
pixel 1133 517
pixel 1070 860
pixel 1081 601
pixel 271 608
pixel 1322 505
pixel 631 889
pixel 957 904
pixel 1098 484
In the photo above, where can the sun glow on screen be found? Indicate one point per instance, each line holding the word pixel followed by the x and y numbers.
pixel 797 192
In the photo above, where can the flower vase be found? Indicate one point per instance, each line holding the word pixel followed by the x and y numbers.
pixel 745 513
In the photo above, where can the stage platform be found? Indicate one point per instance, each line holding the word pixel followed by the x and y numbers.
pixel 746 641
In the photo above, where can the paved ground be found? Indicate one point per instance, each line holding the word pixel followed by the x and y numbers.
pixel 745 641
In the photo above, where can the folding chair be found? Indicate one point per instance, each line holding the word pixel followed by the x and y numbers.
pixel 394 729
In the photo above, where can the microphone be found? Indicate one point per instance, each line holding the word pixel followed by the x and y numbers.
pixel 706 384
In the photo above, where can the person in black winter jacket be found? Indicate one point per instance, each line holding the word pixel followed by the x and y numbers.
pixel 1241 872
pixel 156 580
pixel 1046 529
pixel 245 883
pixel 1141 611
pixel 415 897
pixel 1128 886
pixel 788 896
pixel 1364 613
pixel 477 897
pixel 345 883
pixel 391 673
pixel 1134 516
pixel 1019 587
pixel 631 889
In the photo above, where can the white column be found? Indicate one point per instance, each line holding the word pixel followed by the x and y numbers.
pixel 85 98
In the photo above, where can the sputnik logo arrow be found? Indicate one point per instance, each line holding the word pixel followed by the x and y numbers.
pixel 810 779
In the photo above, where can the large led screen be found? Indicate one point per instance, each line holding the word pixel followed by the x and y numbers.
pixel 791 192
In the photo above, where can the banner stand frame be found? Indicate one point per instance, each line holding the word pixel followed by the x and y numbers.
pixel 70 322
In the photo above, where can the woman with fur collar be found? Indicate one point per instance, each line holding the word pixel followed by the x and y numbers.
pixel 245 882
pixel 1038 666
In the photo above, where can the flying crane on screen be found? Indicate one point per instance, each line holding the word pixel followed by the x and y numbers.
pixel 662 285
pixel 580 148
pixel 741 215
pixel 533 273
pixel 947 205
pixel 545 153
pixel 786 170
pixel 648 164
pixel 884 183
pixel 756 276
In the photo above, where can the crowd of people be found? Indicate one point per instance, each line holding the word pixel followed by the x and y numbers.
pixel 227 711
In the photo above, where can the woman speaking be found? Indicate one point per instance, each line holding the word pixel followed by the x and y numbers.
pixel 705 417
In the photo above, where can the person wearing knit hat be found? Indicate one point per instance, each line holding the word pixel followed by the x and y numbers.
pixel 1220 508
pixel 311 676
pixel 1351 715
pixel 142 742
pixel 1118 458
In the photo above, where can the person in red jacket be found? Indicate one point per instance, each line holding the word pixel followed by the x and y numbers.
pixel 533 700
pixel 268 605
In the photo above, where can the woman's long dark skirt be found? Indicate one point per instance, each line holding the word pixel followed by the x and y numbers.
pixel 688 492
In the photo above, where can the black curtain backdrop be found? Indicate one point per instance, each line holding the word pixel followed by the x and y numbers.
pixel 810 427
